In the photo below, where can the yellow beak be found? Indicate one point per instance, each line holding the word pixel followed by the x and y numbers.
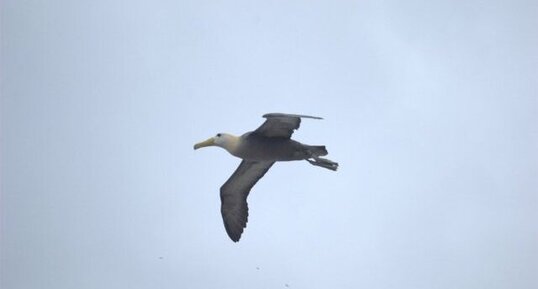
pixel 206 143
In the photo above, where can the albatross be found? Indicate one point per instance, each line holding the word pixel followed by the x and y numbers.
pixel 259 150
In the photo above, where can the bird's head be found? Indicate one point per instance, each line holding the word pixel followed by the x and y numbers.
pixel 223 140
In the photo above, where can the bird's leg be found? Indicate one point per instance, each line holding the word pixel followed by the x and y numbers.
pixel 324 163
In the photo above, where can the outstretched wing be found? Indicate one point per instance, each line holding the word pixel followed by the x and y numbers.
pixel 233 195
pixel 281 124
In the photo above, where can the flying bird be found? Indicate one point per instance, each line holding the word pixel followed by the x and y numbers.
pixel 259 150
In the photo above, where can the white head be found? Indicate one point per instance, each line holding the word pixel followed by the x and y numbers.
pixel 226 141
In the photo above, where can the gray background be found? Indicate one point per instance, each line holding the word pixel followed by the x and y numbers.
pixel 430 107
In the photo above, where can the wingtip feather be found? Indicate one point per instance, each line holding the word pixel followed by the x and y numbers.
pixel 278 114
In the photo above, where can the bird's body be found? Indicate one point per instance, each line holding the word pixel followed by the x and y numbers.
pixel 270 148
pixel 259 150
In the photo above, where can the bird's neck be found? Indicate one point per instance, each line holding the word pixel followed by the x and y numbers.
pixel 232 144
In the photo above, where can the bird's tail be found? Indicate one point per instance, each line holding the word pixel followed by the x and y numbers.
pixel 314 153
pixel 317 151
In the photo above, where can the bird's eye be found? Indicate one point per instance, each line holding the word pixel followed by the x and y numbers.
pixel 218 134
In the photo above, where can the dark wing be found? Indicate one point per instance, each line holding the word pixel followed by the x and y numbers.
pixel 281 124
pixel 233 195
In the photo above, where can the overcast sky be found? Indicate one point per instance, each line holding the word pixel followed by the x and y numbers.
pixel 430 107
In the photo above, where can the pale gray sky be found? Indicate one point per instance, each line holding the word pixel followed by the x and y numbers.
pixel 431 108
